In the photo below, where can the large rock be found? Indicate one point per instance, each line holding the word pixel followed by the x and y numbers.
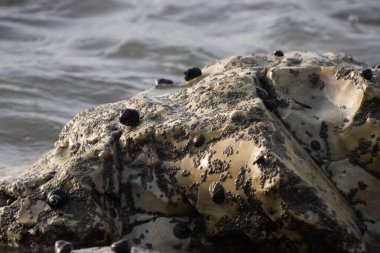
pixel 259 149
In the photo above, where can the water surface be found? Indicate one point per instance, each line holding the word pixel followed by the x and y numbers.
pixel 61 57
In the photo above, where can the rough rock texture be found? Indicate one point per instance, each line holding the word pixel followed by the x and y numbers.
pixel 290 155
pixel 108 250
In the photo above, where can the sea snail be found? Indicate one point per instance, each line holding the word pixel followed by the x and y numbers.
pixel 56 198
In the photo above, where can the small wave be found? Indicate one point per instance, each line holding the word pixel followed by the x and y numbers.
pixel 76 9
pixel 11 33
pixel 61 57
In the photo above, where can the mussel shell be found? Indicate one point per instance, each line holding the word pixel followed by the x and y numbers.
pixel 56 198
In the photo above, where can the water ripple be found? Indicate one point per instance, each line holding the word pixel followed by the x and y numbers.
pixel 61 57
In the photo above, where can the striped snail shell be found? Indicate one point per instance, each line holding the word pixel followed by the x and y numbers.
pixel 56 198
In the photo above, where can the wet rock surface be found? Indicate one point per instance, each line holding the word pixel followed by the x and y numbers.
pixel 109 250
pixel 288 160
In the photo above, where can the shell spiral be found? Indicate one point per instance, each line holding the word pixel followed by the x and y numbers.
pixel 56 198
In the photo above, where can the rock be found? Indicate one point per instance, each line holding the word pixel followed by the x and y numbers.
pixel 291 165
pixel 94 250
pixel 142 250
pixel 108 250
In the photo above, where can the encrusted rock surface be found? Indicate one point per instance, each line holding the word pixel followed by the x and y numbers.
pixel 289 155
pixel 108 250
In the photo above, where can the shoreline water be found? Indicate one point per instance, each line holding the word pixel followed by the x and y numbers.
pixel 62 58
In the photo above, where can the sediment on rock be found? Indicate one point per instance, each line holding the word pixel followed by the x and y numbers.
pixel 278 149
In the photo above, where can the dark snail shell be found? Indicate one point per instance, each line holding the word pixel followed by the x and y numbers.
pixel 216 192
pixel 62 246
pixel 163 81
pixel 129 117
pixel 181 231
pixel 262 93
pixel 192 73
pixel 315 145
pixel 278 53
pixel 56 198
pixel 366 74
pixel 198 141
pixel 121 246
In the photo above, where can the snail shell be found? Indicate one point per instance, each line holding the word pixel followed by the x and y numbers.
pixel 62 246
pixel 181 231
pixel 216 192
pixel 129 117
pixel 121 246
pixel 192 73
pixel 366 74
pixel 56 198
pixel 261 93
pixel 198 141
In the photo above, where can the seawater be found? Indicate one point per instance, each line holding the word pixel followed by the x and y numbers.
pixel 61 57
pixel 58 58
